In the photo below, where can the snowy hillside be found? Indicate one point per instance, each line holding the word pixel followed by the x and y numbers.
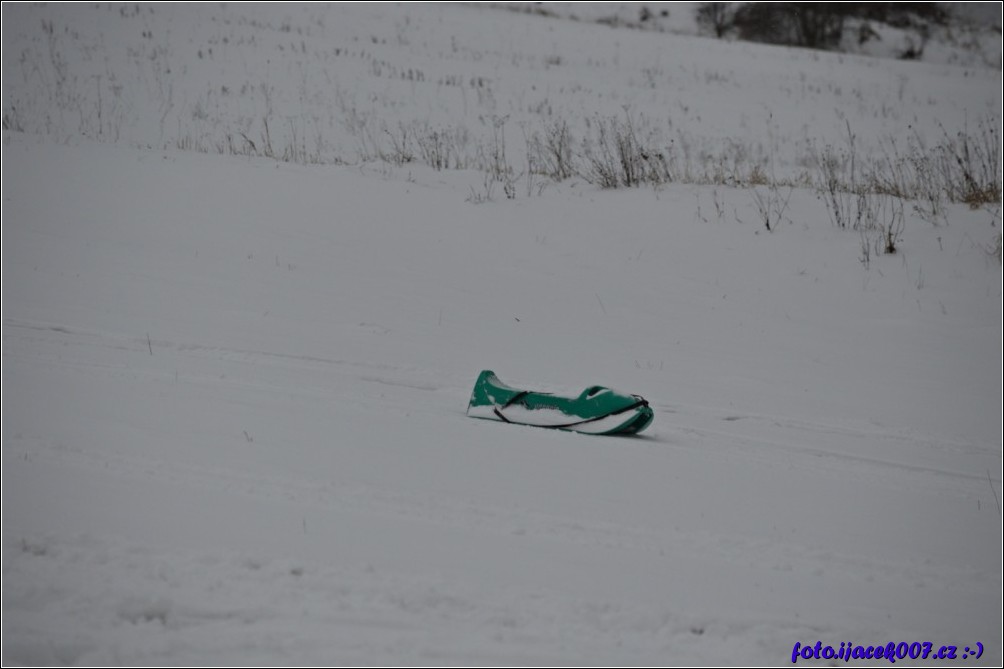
pixel 254 258
pixel 970 37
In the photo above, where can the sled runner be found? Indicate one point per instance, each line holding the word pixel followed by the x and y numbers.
pixel 596 410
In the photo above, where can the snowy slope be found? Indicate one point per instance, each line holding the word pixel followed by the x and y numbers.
pixel 971 38
pixel 234 394
pixel 345 83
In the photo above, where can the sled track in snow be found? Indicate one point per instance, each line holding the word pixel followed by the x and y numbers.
pixel 28 331
pixel 846 445
pixel 782 431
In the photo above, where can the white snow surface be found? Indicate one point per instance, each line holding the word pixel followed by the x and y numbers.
pixel 234 389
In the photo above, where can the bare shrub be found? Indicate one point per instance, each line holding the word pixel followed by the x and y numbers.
pixel 912 175
pixel 845 195
pixel 550 152
pixel 401 151
pixel 435 148
pixel 493 161
pixel 441 148
pixel 890 223
pixel 971 164
pixel 964 167
pixel 617 157
pixel 771 203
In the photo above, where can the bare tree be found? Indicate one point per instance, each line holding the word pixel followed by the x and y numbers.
pixel 715 17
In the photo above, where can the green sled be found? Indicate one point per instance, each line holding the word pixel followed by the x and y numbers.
pixel 596 410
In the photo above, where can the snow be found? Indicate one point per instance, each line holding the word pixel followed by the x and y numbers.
pixel 234 388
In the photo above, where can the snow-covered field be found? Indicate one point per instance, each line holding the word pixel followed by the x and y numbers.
pixel 234 386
